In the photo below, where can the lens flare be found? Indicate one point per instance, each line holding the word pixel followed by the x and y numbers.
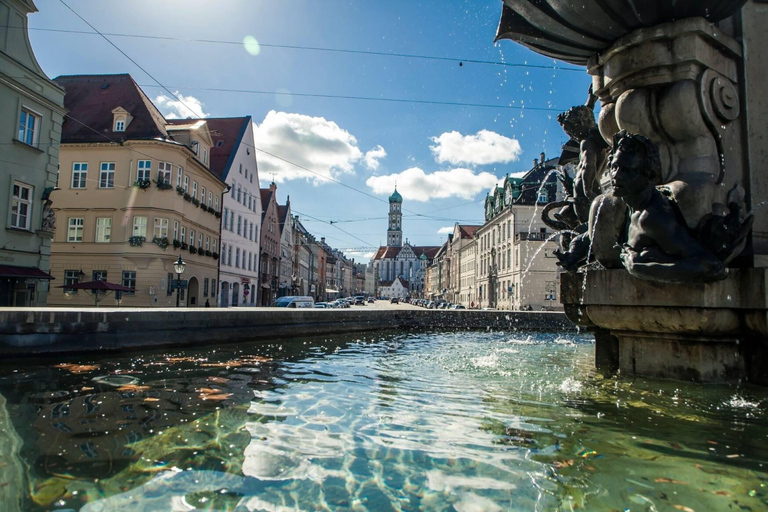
pixel 251 45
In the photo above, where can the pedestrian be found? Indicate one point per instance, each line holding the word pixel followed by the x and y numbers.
pixel 207 304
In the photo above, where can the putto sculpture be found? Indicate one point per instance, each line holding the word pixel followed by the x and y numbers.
pixel 642 227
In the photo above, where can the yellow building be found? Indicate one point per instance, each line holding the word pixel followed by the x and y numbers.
pixel 135 193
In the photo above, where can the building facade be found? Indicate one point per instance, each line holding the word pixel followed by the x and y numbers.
pixel 33 108
pixel 233 160
pixel 515 262
pixel 269 255
pixel 136 194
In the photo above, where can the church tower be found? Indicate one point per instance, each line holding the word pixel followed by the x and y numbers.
pixel 395 230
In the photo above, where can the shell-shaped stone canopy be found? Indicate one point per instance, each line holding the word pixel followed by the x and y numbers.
pixel 573 31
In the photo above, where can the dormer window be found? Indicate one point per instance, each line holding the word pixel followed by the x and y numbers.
pixel 205 156
pixel 195 147
pixel 121 119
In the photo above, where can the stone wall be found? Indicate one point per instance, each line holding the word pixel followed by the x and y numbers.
pixel 30 331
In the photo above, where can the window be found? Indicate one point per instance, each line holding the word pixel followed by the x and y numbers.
pixel 99 275
pixel 103 229
pixel 175 230
pixel 140 226
pixel 239 194
pixel 250 261
pixel 194 190
pixel 186 184
pixel 239 223
pixel 29 126
pixel 164 171
pixel 183 236
pixel 195 146
pixel 241 168
pixel 202 195
pixel 71 277
pixel 191 237
pixel 251 233
pixel 246 174
pixel 229 255
pixel 223 254
pixel 205 287
pixel 179 172
pixel 216 204
pixel 251 178
pixel 210 198
pixel 168 284
pixel 213 287
pixel 226 217
pixel 205 156
pixel 144 170
pixel 237 257
pixel 161 228
pixel 232 221
pixel 79 174
pixel 200 240
pixel 256 232
pixel 21 203
pixel 207 243
pixel 249 201
pixel 75 230
pixel 234 191
pixel 120 125
pixel 214 245
pixel 129 281
pixel 107 175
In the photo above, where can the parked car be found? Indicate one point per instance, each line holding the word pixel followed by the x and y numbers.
pixel 322 305
pixel 458 306
pixel 370 300
pixel 394 300
pixel 294 301
pixel 359 300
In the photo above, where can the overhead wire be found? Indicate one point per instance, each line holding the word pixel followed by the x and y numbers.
pixel 312 48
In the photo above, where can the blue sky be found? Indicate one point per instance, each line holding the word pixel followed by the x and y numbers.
pixel 444 158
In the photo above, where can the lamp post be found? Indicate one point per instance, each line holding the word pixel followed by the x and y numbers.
pixel 179 267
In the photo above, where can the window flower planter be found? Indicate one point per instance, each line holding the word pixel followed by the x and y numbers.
pixel 180 191
pixel 215 255
pixel 196 202
pixel 136 241
pixel 187 197
pixel 163 185
pixel 192 249
pixel 176 244
pixel 201 251
pixel 184 245
pixel 142 184
pixel 160 242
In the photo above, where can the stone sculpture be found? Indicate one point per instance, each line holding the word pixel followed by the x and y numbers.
pixel 653 241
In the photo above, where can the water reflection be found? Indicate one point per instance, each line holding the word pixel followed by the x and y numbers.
pixel 478 421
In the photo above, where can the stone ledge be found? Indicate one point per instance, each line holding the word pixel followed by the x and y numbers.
pixel 30 331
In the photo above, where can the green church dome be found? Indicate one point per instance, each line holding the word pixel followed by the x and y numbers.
pixel 395 197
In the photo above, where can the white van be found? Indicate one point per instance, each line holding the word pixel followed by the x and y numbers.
pixel 294 301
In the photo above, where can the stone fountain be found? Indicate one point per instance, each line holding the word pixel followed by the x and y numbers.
pixel 669 266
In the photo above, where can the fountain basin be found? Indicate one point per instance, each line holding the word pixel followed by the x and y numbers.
pixel 715 332
pixel 574 31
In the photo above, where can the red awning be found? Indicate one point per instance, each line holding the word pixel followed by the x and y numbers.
pixel 23 272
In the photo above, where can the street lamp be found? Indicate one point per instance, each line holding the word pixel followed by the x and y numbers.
pixel 179 267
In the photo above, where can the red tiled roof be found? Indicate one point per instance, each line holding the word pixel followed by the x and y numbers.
pixel 90 100
pixel 468 231
pixel 386 252
pixel 428 251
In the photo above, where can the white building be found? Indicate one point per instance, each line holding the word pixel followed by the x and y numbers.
pixel 399 288
pixel 233 159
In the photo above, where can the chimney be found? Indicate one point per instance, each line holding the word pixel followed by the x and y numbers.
pixel 535 163
pixel 272 187
pixel 543 158
pixel 322 240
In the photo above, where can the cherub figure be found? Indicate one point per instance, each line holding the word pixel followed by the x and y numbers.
pixel 658 245
pixel 49 217
pixel 579 124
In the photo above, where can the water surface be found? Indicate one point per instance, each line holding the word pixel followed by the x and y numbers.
pixel 437 421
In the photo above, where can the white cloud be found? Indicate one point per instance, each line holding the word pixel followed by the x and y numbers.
pixel 416 185
pixel 486 147
pixel 188 106
pixel 311 142
pixel 373 156
pixel 445 231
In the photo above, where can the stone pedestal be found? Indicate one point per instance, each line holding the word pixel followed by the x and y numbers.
pixel 716 332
